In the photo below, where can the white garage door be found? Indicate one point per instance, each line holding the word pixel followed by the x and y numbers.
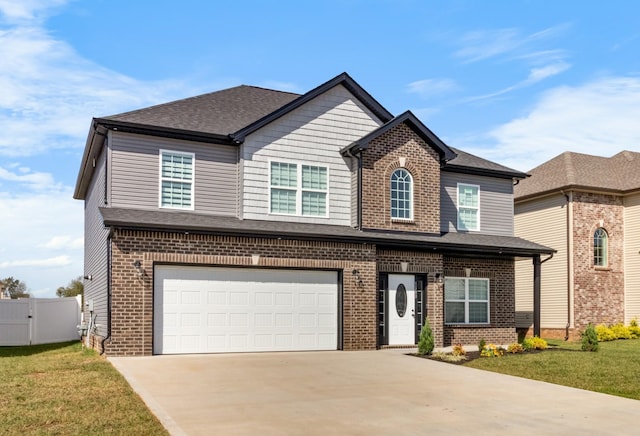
pixel 217 310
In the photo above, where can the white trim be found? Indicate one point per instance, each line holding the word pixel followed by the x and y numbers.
pixel 299 164
pixel 193 178
pixel 459 227
pixel 466 301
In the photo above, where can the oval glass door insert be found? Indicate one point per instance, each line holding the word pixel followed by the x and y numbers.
pixel 401 300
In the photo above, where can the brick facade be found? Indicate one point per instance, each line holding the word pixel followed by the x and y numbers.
pixel 132 295
pixel 401 147
pixel 598 291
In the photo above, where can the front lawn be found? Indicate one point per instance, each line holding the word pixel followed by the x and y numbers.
pixel 63 389
pixel 613 369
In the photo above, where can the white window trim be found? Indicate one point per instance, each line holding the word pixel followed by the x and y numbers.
pixel 410 219
pixel 193 178
pixel 298 188
pixel 460 227
pixel 467 301
pixel 605 249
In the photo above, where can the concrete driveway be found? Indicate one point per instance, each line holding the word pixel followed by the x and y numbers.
pixel 361 393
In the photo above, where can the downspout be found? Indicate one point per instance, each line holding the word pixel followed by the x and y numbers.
pixel 570 273
pixel 537 274
pixel 359 157
pixel 108 336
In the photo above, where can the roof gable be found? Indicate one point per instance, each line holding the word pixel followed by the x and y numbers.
pixel 415 124
pixel 342 79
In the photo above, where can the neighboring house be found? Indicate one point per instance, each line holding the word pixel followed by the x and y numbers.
pixel 588 209
pixel 257 220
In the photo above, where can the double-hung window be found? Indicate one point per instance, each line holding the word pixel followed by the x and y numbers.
pixel 176 179
pixel 468 207
pixel 466 300
pixel 298 189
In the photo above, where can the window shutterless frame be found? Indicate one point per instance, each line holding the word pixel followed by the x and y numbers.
pixel 296 188
pixel 401 188
pixel 467 302
pixel 468 205
pixel 176 177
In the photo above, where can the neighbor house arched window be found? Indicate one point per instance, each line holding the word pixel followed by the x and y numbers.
pixel 401 194
pixel 600 247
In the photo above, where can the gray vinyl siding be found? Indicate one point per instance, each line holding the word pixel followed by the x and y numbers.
pixel 632 258
pixel 543 221
pixel 95 247
pixel 134 173
pixel 312 134
pixel 496 203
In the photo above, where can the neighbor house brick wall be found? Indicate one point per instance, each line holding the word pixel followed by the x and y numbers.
pixel 501 275
pixel 400 147
pixel 132 296
pixel 598 291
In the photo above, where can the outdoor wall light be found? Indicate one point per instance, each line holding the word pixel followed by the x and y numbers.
pixel 88 277
pixel 138 266
pixel 438 278
pixel 357 278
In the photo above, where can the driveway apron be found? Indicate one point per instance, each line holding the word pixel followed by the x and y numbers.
pixel 361 393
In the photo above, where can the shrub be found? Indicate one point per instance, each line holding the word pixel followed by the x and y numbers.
pixel 448 357
pixel 621 331
pixel 534 343
pixel 589 339
pixel 491 351
pixel 634 329
pixel 604 333
pixel 481 345
pixel 458 350
pixel 515 348
pixel 426 342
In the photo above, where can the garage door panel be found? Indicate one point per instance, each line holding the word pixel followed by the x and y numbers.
pixel 243 310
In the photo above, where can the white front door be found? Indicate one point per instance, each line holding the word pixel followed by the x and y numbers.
pixel 401 307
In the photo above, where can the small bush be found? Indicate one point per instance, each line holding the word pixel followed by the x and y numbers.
pixel 426 342
pixel 589 339
pixel 448 357
pixel 458 350
pixel 515 348
pixel 621 331
pixel 491 351
pixel 534 343
pixel 481 345
pixel 634 329
pixel 605 333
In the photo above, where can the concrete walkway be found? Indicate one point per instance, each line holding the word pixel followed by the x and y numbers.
pixel 361 393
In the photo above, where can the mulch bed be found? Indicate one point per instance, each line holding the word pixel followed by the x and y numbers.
pixel 472 355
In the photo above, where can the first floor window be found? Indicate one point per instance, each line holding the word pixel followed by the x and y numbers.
pixel 600 242
pixel 176 179
pixel 468 207
pixel 466 300
pixel 297 189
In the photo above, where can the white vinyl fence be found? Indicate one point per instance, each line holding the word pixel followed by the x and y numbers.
pixel 31 321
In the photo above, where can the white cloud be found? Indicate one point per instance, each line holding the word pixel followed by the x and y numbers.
pixel 34 180
pixel 599 117
pixel 430 87
pixel 64 242
pixel 49 262
pixel 27 10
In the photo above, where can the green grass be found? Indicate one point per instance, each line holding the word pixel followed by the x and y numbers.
pixel 63 389
pixel 613 369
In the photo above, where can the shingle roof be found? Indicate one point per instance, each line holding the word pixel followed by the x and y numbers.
pixel 469 163
pixel 219 113
pixel 619 174
pixel 194 222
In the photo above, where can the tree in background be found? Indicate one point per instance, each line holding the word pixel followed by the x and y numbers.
pixel 15 288
pixel 75 287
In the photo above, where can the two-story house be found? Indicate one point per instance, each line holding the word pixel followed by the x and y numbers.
pixel 250 219
pixel 588 208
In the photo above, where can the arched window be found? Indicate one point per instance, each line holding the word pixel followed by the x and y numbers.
pixel 600 247
pixel 401 194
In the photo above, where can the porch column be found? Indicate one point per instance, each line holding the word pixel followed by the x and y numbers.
pixel 536 295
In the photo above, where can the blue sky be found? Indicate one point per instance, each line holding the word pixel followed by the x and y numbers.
pixel 518 82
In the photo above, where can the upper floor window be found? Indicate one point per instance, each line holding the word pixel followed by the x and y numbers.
pixel 466 301
pixel 401 194
pixel 468 207
pixel 600 246
pixel 176 179
pixel 297 189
